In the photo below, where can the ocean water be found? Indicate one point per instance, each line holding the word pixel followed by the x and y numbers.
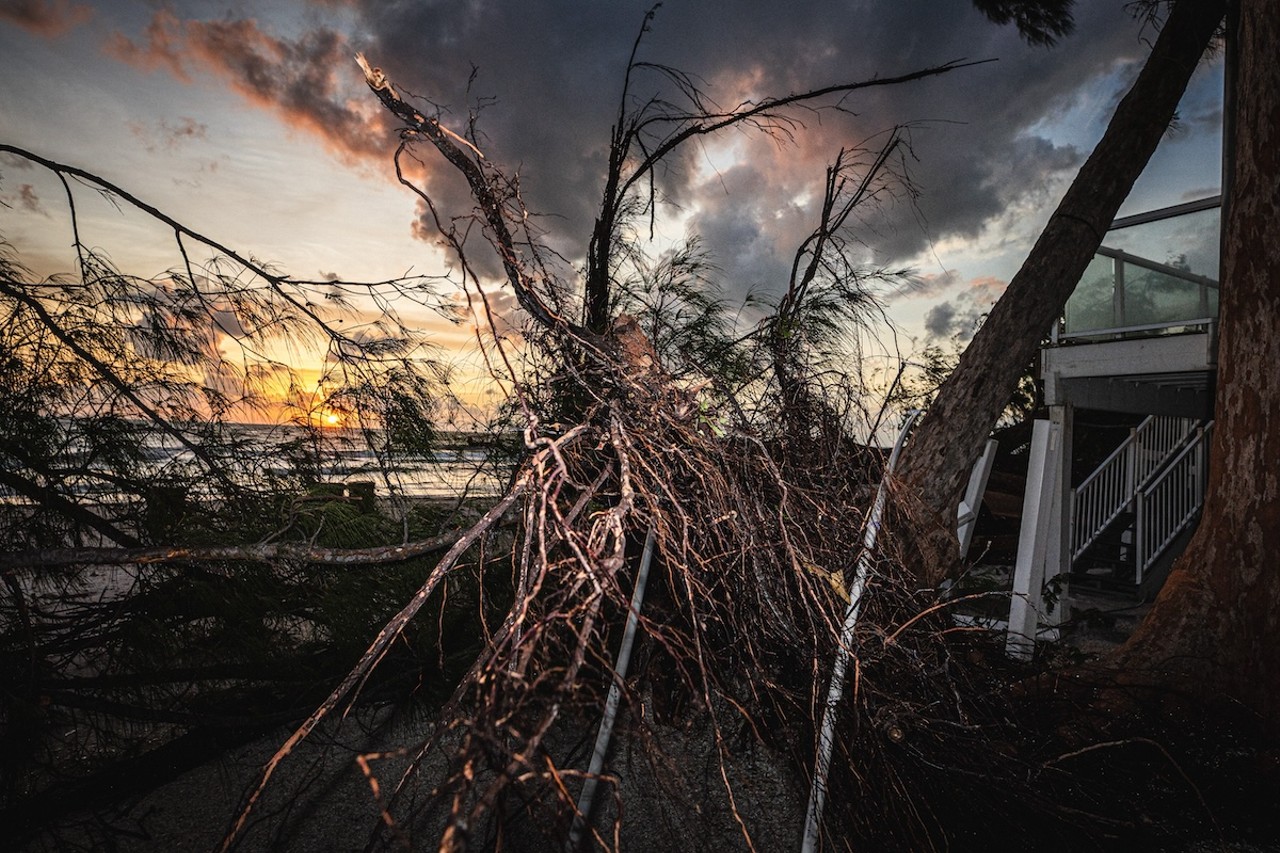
pixel 343 456
pixel 459 464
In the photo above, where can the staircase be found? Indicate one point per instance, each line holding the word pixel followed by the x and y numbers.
pixel 1137 503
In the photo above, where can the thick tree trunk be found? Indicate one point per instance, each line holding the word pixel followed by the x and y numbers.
pixel 936 463
pixel 1216 623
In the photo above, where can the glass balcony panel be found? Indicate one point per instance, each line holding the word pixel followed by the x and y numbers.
pixel 1189 241
pixel 1149 298
pixel 1152 297
pixel 1091 305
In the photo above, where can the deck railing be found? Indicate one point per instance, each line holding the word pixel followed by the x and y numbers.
pixel 1169 502
pixel 1114 485
pixel 1125 291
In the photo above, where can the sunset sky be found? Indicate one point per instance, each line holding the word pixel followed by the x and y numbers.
pixel 250 123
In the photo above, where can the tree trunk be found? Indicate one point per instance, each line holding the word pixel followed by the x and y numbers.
pixel 1216 622
pixel 936 463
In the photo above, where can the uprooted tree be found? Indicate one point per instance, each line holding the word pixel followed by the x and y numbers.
pixel 664 467
pixel 748 504
pixel 649 413
pixel 641 412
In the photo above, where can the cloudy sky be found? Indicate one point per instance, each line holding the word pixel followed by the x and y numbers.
pixel 250 123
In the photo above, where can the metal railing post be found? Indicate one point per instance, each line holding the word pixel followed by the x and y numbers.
pixel 1201 456
pixel 1139 537
pixel 1117 295
pixel 1071 527
pixel 1131 465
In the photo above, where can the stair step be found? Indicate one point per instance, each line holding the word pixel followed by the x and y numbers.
pixel 1103 568
pixel 1110 585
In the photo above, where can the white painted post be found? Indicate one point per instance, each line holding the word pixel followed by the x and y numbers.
pixel 1201 469
pixel 1131 454
pixel 835 690
pixel 1034 537
pixel 967 513
pixel 1141 520
pixel 605 733
pixel 1057 559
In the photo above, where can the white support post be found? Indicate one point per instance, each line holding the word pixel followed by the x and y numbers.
pixel 1038 526
pixel 967 513
pixel 1131 456
pixel 1058 552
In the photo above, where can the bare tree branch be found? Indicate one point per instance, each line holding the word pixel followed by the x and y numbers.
pixel 280 552
pixel 393 629
pixel 471 166
pixel 632 128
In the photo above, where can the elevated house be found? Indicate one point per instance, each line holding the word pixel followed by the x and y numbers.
pixel 1136 347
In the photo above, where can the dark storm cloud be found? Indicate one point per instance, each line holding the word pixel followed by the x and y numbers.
pixel 48 19
pixel 549 72
pixel 752 228
pixel 308 81
pixel 940 320
pixel 959 316
pixel 554 69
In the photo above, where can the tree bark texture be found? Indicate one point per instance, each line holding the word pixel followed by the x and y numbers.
pixel 1216 622
pixel 937 461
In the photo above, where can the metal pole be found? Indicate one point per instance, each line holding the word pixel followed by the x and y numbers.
pixel 1117 295
pixel 826 736
pixel 1140 536
pixel 605 733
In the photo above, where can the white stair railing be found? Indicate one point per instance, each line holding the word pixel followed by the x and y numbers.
pixel 1114 485
pixel 1102 496
pixel 1170 501
pixel 1160 440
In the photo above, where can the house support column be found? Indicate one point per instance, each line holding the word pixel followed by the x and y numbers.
pixel 1044 538
pixel 967 512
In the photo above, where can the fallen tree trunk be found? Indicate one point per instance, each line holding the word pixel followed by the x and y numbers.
pixel 938 459
pixel 1215 624
pixel 298 552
